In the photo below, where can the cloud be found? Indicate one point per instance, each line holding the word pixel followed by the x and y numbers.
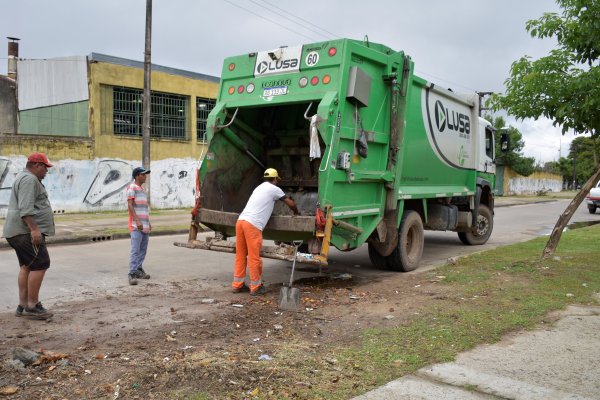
pixel 543 141
pixel 465 44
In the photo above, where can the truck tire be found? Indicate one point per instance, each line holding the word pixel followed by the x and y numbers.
pixel 377 259
pixel 592 209
pixel 481 231
pixel 407 254
pixel 411 240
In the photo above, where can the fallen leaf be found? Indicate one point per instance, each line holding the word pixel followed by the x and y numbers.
pixel 7 390
pixel 50 356
pixel 52 367
pixel 170 338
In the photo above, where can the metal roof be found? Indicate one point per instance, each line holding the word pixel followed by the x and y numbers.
pixel 138 64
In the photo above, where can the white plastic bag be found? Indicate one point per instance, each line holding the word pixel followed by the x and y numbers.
pixel 315 149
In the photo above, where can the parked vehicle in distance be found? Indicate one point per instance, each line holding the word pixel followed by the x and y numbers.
pixel 593 199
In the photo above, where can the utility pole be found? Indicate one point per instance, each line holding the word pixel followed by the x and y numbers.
pixel 574 167
pixel 146 98
pixel 481 96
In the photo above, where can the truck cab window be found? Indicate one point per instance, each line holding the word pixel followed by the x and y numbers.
pixel 489 143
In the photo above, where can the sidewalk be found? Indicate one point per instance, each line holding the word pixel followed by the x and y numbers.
pixel 561 361
pixel 96 227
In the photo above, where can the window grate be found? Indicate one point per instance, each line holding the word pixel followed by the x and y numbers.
pixel 168 113
pixel 203 108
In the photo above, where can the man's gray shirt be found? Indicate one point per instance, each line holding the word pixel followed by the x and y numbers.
pixel 28 197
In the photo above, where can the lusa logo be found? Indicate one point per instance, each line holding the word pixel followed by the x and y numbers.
pixel 274 66
pixel 453 120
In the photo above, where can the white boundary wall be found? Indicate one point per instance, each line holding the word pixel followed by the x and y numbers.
pixel 99 185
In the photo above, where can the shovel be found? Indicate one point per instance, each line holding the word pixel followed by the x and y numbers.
pixel 289 297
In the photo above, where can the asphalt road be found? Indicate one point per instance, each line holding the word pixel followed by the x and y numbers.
pixel 91 269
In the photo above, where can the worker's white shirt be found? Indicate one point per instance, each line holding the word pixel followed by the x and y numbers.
pixel 260 205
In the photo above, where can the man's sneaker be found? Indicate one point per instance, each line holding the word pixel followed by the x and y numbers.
pixel 240 290
pixel 141 274
pixel 132 279
pixel 19 311
pixel 37 312
pixel 259 292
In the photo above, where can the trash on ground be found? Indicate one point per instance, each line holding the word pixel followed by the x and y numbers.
pixel 26 356
pixel 343 277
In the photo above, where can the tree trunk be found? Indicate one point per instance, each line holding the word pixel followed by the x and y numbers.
pixel 564 219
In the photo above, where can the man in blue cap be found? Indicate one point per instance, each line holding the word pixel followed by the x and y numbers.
pixel 139 225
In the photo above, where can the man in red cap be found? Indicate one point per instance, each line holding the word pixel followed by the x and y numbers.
pixel 28 221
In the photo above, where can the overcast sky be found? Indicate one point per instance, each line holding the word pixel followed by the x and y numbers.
pixel 468 45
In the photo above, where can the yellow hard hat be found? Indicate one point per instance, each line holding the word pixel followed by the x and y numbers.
pixel 271 173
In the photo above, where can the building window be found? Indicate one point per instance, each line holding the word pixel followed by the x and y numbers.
pixel 167 115
pixel 203 108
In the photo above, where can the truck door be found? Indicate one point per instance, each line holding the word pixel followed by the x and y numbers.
pixel 486 150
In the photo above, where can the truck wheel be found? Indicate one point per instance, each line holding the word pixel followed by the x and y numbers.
pixel 481 231
pixel 411 240
pixel 377 259
pixel 592 209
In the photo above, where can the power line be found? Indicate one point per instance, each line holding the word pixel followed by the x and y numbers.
pixel 454 84
pixel 270 20
pixel 288 14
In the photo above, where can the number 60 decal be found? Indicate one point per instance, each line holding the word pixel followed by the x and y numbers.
pixel 312 58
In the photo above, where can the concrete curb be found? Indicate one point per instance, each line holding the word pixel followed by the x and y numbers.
pixel 92 238
pixel 524 203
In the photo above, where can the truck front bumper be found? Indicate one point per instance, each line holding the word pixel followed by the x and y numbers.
pixel 593 202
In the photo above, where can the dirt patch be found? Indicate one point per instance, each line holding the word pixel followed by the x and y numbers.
pixel 185 338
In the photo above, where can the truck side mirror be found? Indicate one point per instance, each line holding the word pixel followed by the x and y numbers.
pixel 504 142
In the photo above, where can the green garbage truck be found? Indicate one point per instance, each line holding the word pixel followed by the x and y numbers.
pixel 370 152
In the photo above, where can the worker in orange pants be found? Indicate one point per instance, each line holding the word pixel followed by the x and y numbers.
pixel 248 231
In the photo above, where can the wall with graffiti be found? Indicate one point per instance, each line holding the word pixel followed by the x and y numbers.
pixel 99 185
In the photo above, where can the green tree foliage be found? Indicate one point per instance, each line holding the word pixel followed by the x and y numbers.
pixel 552 167
pixel 513 158
pixel 581 158
pixel 564 85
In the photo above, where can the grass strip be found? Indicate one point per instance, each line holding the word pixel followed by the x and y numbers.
pixel 489 294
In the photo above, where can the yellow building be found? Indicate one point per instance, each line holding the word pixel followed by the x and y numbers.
pixel 85 113
pixel 91 107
